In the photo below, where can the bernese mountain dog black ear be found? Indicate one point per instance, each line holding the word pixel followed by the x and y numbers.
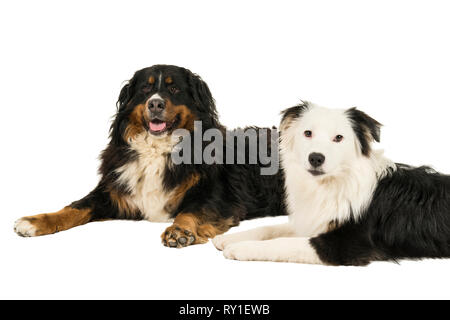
pixel 200 91
pixel 120 120
pixel 365 127
pixel 203 99
pixel 125 95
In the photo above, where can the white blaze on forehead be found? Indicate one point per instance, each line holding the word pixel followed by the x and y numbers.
pixel 325 121
pixel 156 96
pixel 159 81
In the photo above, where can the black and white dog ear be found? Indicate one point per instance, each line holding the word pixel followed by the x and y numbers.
pixel 366 128
pixel 290 114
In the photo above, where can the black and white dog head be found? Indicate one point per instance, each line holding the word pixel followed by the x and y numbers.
pixel 327 142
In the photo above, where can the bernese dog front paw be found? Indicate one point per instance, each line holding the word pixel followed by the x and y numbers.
pixel 25 228
pixel 177 237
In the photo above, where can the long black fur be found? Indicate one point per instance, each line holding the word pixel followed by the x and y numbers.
pixel 408 216
pixel 225 191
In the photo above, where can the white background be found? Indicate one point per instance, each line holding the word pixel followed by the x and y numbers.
pixel 63 64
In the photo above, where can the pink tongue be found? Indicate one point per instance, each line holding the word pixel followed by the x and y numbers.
pixel 157 126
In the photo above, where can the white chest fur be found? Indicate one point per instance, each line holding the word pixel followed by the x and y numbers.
pixel 313 205
pixel 143 177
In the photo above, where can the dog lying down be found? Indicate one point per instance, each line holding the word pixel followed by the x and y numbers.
pixel 348 204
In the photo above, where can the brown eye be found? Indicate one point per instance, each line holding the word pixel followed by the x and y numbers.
pixel 338 138
pixel 308 134
pixel 174 90
pixel 147 88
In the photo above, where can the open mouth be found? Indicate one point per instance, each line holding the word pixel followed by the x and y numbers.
pixel 158 127
pixel 316 172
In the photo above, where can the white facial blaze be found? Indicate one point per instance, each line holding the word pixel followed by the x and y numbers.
pixel 159 81
pixel 155 96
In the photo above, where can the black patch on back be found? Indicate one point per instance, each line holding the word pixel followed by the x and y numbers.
pixel 408 217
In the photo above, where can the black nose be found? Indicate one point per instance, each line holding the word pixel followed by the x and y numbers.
pixel 316 159
pixel 156 105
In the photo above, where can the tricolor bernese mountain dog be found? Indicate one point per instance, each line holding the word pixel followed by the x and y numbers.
pixel 348 204
pixel 140 181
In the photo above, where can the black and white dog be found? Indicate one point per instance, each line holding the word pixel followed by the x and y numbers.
pixel 348 204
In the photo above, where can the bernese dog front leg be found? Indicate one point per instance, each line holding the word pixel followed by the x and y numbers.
pixel 98 205
pixel 262 233
pixel 191 228
pixel 48 223
pixel 280 250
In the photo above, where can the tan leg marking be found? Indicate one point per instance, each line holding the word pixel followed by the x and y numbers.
pixel 124 206
pixel 180 191
pixel 48 223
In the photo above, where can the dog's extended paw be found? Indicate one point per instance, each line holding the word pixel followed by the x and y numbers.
pixel 243 251
pixel 222 241
pixel 25 228
pixel 176 237
pixel 219 242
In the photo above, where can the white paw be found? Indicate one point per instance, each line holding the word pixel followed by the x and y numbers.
pixel 24 228
pixel 222 241
pixel 219 242
pixel 243 251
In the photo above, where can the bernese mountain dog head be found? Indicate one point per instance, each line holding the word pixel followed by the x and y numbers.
pixel 161 99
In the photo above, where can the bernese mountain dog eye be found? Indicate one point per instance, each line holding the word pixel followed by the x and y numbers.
pixel 338 138
pixel 174 90
pixel 308 133
pixel 147 88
